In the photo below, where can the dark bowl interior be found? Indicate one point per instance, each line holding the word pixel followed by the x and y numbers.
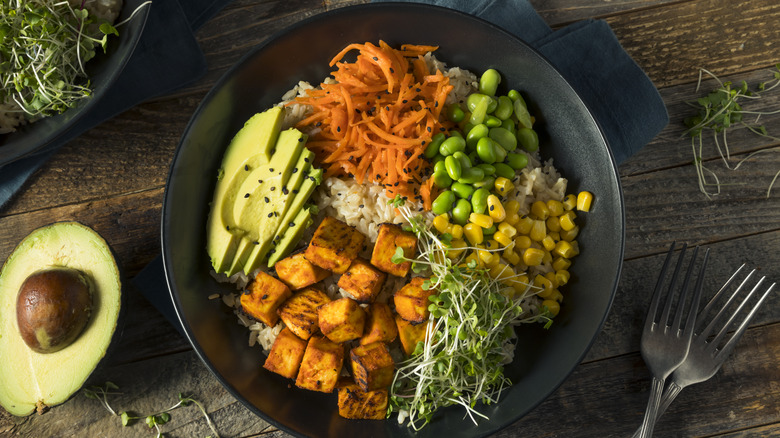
pixel 103 70
pixel 568 134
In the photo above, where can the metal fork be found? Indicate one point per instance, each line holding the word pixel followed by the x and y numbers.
pixel 663 346
pixel 704 357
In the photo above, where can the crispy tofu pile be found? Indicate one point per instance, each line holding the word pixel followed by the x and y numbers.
pixel 343 344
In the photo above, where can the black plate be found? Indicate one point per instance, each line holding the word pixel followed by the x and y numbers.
pixel 568 134
pixel 103 70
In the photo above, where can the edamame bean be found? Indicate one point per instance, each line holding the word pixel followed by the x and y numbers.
pixel 433 147
pixel 505 108
pixel 455 133
pixel 513 95
pixel 462 190
pixel 452 145
pixel 487 182
pixel 508 124
pixel 528 139
pixel 461 212
pixel 489 231
pixel 479 112
pixel 443 203
pixel 504 170
pixel 475 133
pixel 492 104
pixel 455 113
pixel 486 150
pixel 522 114
pixel 472 175
pixel 500 152
pixel 489 169
pixel 504 137
pixel 452 165
pixel 438 167
pixel 442 179
pixel 516 161
pixel 474 99
pixel 488 82
pixel 492 121
pixel 479 200
pixel 465 161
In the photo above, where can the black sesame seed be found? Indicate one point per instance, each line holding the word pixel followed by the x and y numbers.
pixel 271 169
pixel 246 167
pixel 361 205
pixel 306 159
pixel 227 227
pixel 295 170
pixel 273 250
pixel 267 200
pixel 285 191
pixel 273 188
pixel 338 128
pixel 260 181
pixel 292 224
pixel 270 214
pixel 295 191
pixel 491 207
pixel 246 195
pixel 375 58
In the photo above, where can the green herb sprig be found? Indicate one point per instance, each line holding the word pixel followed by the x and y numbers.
pixel 469 337
pixel 717 113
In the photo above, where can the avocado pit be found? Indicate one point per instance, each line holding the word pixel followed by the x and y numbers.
pixel 53 307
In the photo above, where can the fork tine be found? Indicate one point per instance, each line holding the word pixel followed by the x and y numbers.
pixel 684 293
pixel 717 295
pixel 726 350
pixel 668 305
pixel 716 341
pixel 708 329
pixel 652 311
pixel 690 322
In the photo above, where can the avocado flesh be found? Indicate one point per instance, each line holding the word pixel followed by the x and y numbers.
pixel 250 148
pixel 264 201
pixel 29 379
pixel 291 236
pixel 290 204
pixel 304 193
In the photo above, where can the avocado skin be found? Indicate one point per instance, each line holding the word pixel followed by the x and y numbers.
pixel 31 381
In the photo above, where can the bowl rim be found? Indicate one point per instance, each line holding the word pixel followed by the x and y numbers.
pixel 251 52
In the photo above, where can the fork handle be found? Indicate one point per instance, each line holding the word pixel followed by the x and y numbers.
pixel 670 393
pixel 646 430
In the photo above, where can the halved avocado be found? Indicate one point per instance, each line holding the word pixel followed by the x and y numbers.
pixel 48 265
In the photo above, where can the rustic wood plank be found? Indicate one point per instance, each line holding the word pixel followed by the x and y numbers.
pixel 562 12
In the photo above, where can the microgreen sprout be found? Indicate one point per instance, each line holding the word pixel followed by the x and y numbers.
pixel 101 393
pixel 719 112
pixel 469 335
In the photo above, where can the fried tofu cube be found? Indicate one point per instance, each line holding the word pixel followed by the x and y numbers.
pixel 356 404
pixel 299 312
pixel 286 354
pixel 334 245
pixel 297 272
pixel 372 366
pixel 410 334
pixel 411 301
pixel 362 281
pixel 390 238
pixel 263 295
pixel 380 325
pixel 321 365
pixel 342 320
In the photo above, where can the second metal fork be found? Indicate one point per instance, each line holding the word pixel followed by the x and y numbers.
pixel 664 346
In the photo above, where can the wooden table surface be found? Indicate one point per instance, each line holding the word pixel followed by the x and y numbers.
pixel 112 178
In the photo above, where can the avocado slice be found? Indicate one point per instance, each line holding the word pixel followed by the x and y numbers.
pixel 250 148
pixel 311 182
pixel 291 236
pixel 275 204
pixel 30 379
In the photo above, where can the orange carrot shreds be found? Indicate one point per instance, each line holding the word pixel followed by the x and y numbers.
pixel 374 122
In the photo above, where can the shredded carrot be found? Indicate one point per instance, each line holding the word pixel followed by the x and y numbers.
pixel 376 119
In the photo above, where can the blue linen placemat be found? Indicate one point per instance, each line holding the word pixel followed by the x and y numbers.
pixel 167 57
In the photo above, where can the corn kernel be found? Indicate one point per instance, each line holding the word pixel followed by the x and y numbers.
pixel 473 233
pixel 569 202
pixel 546 257
pixel 492 244
pixel 456 231
pixel 555 207
pixel 538 231
pixel 521 283
pixel 503 186
pixel 512 207
pixel 552 306
pixel 584 200
pixel 507 229
pixel 501 271
pixel 493 261
pixel 553 223
pixel 495 209
pixel 564 249
pixel 522 242
pixel 524 225
pixel 567 220
pixel 502 238
pixel 441 222
pixel 540 210
pixel 556 236
pixel 557 296
pixel 569 235
pixel 545 285
pixel 512 257
pixel 482 220
pixel 561 264
pixel 486 256
pixel 512 218
pixel 472 257
pixel 562 277
pixel 551 276
pixel 548 243
pixel 533 256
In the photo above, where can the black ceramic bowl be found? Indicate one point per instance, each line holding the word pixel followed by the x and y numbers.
pixel 102 70
pixel 568 134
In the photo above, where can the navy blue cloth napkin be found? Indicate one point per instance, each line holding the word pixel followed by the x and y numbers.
pixel 167 57
pixel 620 95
